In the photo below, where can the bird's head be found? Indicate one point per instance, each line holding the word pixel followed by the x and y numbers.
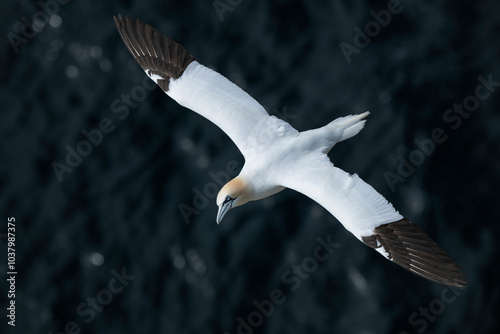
pixel 234 193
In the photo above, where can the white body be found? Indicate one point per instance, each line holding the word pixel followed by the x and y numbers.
pixel 277 156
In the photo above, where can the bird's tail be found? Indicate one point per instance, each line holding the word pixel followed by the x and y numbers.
pixel 348 126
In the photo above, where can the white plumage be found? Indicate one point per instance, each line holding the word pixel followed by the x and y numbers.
pixel 219 100
pixel 351 200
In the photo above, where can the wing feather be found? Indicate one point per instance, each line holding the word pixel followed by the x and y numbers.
pixel 193 85
pixel 374 221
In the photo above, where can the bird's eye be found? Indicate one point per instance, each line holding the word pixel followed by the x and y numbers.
pixel 228 198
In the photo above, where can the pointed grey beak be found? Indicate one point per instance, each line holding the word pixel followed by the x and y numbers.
pixel 223 209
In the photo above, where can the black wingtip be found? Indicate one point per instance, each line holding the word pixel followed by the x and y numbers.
pixel 155 53
pixel 409 246
pixel 118 20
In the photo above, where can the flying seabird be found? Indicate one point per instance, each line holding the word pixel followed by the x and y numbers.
pixel 277 156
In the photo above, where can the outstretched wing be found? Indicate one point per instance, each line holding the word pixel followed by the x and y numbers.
pixel 373 220
pixel 191 84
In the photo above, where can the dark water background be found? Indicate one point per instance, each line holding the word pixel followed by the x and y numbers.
pixel 119 208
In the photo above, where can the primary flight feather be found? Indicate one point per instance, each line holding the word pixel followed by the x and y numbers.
pixel 277 156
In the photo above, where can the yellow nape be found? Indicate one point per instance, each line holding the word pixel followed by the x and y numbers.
pixel 236 188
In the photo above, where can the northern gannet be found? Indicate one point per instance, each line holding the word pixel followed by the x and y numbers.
pixel 277 156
